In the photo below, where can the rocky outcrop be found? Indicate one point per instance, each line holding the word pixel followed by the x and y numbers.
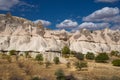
pixel 23 35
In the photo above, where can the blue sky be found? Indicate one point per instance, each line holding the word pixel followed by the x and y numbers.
pixel 66 14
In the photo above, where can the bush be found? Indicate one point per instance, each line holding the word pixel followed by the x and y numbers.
pixel 114 53
pixel 90 56
pixel 56 60
pixel 36 78
pixel 72 53
pixel 79 65
pixel 116 62
pixel 39 57
pixel 66 51
pixel 26 54
pixel 60 74
pixel 79 56
pixel 102 58
pixel 12 52
pixel 47 64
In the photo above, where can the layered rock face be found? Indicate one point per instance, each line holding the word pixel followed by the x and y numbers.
pixel 23 35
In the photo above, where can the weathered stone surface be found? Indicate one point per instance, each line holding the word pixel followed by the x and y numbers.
pixel 23 35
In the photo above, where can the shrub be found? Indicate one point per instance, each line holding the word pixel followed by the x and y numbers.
pixel 12 52
pixel 116 62
pixel 102 58
pixel 56 60
pixel 90 56
pixel 79 65
pixel 80 56
pixel 47 64
pixel 26 54
pixel 73 53
pixel 114 53
pixel 39 57
pixel 66 51
pixel 36 78
pixel 60 74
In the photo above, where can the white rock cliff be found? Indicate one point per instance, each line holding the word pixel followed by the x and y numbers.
pixel 23 35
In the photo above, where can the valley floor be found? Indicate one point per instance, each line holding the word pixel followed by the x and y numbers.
pixel 26 68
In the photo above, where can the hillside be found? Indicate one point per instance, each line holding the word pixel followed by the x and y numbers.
pixel 23 35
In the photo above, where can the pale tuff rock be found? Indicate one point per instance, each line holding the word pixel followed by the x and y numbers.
pixel 23 35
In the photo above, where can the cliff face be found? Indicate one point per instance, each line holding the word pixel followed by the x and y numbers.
pixel 23 35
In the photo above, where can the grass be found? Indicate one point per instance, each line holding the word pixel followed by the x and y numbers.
pixel 26 68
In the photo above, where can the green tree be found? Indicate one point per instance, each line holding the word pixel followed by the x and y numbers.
pixel 116 62
pixel 80 56
pixel 39 57
pixel 56 60
pixel 114 53
pixel 12 52
pixel 66 51
pixel 90 56
pixel 79 65
pixel 60 74
pixel 102 58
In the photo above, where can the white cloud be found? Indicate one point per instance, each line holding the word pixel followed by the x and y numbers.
pixel 67 24
pixel 6 5
pixel 107 1
pixel 116 26
pixel 92 26
pixel 102 14
pixel 115 19
pixel 44 22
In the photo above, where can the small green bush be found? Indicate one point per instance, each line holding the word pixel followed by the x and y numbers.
pixel 60 74
pixel 56 60
pixel 102 58
pixel 39 57
pixel 116 62
pixel 66 51
pixel 79 65
pixel 114 53
pixel 79 56
pixel 12 52
pixel 36 78
pixel 26 54
pixel 72 53
pixel 90 56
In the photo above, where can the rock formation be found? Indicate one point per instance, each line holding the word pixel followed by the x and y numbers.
pixel 23 35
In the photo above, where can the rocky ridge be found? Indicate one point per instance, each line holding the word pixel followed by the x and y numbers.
pixel 23 35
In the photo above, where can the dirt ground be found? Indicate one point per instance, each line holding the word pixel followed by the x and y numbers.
pixel 26 68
